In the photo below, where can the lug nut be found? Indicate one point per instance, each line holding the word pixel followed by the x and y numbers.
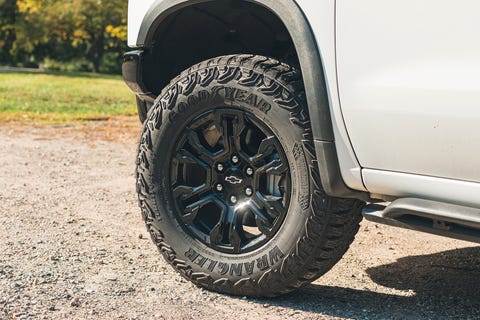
pixel 249 171
pixel 233 199
pixel 235 159
pixel 248 192
pixel 220 167
pixel 219 187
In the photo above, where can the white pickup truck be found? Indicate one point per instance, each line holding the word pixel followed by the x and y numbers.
pixel 272 126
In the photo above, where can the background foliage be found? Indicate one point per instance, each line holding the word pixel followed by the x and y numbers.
pixel 65 35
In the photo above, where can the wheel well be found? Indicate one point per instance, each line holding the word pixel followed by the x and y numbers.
pixel 205 30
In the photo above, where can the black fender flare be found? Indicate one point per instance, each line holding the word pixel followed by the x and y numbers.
pixel 313 76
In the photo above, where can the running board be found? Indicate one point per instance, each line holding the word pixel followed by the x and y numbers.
pixel 428 216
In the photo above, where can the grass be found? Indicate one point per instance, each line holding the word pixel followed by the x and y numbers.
pixel 63 97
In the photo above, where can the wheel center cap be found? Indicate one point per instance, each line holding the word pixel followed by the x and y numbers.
pixel 233 180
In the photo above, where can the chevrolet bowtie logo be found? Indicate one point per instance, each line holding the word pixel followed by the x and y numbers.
pixel 233 180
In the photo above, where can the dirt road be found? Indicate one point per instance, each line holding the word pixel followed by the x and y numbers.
pixel 73 246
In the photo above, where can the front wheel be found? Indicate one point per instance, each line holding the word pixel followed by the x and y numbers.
pixel 228 181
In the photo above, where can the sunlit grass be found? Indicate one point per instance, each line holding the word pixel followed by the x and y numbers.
pixel 63 97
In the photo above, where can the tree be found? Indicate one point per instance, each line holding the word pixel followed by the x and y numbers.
pixel 44 28
pixel 100 25
pixel 67 29
pixel 8 14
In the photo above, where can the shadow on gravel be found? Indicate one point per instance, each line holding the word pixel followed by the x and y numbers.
pixel 444 285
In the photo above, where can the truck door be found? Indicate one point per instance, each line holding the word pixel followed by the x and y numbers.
pixel 409 84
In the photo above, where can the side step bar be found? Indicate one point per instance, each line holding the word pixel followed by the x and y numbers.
pixel 428 216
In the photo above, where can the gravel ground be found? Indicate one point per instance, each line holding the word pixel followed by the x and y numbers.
pixel 73 246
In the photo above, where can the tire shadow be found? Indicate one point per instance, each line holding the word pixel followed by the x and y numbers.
pixel 443 285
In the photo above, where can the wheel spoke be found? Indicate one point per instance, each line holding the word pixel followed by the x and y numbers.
pixel 186 192
pixel 222 126
pixel 266 148
pixel 275 167
pixel 202 153
pixel 191 210
pixel 235 230
pixel 229 228
pixel 216 234
pixel 272 204
pixel 231 135
pixel 263 223
pixel 238 124
pixel 185 156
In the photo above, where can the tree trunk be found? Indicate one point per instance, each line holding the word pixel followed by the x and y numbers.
pixel 96 51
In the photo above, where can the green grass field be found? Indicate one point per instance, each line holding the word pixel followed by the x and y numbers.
pixel 63 97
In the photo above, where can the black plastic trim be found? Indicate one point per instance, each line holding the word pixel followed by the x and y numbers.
pixel 310 62
pixel 132 71
pixel 331 177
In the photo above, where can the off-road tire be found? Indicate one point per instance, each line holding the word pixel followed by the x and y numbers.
pixel 317 229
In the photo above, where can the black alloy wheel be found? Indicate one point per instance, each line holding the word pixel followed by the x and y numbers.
pixel 230 181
